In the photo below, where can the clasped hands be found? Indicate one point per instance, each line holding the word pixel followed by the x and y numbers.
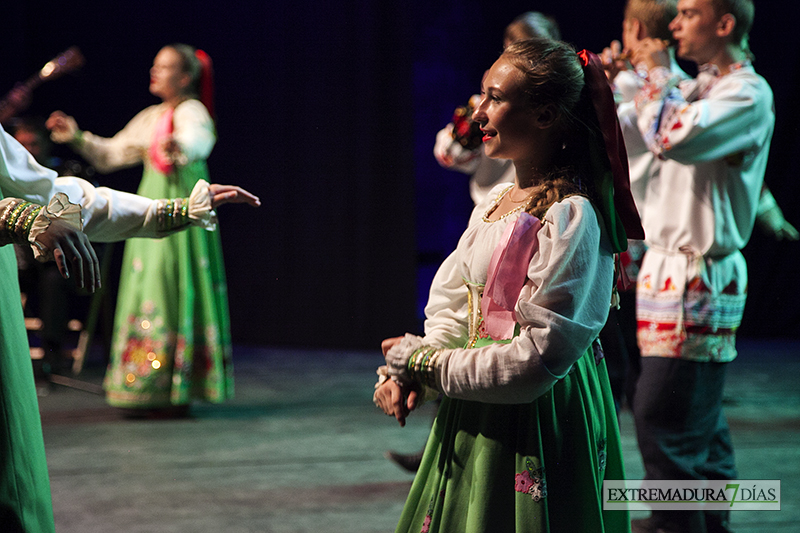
pixel 396 397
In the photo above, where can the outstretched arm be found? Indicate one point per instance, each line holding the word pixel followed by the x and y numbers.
pixel 106 154
pixel 231 194
pixel 110 215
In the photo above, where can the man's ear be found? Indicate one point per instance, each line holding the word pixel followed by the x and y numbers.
pixel 638 29
pixel 632 32
pixel 725 25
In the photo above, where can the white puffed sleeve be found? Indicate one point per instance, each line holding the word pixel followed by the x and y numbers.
pixel 561 310
pixel 194 130
pixel 20 175
pixel 626 84
pixel 446 323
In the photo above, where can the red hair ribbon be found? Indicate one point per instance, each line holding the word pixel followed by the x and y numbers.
pixel 206 81
pixel 624 210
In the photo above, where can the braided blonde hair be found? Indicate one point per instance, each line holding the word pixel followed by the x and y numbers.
pixel 551 190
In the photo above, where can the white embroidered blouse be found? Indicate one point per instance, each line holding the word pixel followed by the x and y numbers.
pixel 560 310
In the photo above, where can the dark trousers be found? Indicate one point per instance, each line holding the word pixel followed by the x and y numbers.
pixel 618 338
pixel 682 431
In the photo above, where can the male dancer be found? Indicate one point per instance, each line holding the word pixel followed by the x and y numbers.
pixel 709 139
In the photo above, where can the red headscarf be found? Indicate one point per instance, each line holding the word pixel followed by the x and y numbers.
pixel 205 82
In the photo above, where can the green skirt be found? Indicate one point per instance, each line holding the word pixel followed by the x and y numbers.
pixel 171 328
pixel 533 467
pixel 25 504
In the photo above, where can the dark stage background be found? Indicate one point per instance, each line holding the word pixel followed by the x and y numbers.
pixel 328 111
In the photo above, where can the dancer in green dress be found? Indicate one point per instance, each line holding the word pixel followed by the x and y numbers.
pixel 527 430
pixel 107 215
pixel 171 333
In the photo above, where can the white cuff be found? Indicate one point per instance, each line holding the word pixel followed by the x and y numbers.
pixel 59 208
pixel 201 213
pixel 398 355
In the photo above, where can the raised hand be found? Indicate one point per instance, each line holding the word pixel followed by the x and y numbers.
pixel 649 53
pixel 231 194
pixel 614 60
pixel 63 127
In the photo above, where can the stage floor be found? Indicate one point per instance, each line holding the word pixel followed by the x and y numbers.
pixel 300 449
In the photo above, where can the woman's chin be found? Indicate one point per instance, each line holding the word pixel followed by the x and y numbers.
pixel 491 153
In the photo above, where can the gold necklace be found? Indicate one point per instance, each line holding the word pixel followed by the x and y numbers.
pixel 510 199
pixel 496 204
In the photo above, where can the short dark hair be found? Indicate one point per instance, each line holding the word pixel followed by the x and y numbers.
pixel 532 24
pixel 744 12
pixel 655 16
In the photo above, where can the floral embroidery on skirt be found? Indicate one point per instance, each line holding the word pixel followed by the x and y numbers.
pixel 531 481
pixel 426 524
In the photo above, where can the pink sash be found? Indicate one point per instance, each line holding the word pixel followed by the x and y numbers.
pixel 508 272
pixel 163 131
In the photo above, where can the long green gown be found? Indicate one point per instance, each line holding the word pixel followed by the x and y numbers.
pixel 171 340
pixel 171 328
